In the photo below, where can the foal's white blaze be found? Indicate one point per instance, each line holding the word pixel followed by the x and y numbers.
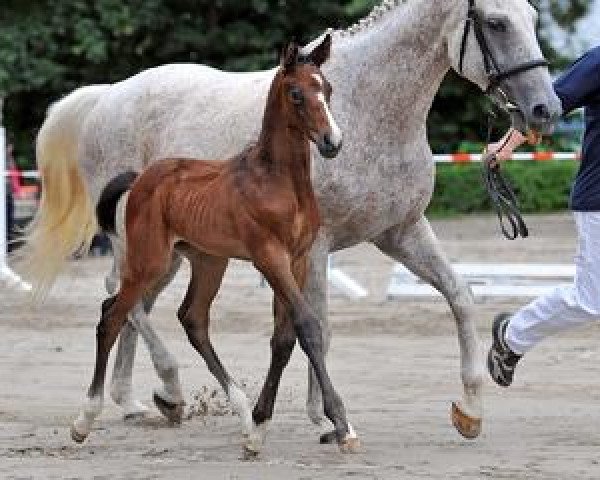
pixel 241 405
pixel 318 78
pixel 336 133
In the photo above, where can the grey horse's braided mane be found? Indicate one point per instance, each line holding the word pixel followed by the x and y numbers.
pixel 378 12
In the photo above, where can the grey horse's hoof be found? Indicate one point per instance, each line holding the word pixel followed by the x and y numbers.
pixel 349 444
pixel 173 412
pixel 76 436
pixel 469 427
pixel 329 437
pixel 134 416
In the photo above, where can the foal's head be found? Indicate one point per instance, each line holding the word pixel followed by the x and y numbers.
pixel 304 94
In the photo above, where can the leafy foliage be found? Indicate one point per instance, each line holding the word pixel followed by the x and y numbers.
pixel 49 47
pixel 539 186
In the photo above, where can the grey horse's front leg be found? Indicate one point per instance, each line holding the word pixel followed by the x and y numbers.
pixel 418 249
pixel 315 292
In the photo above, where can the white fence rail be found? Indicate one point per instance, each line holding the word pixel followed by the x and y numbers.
pixel 520 280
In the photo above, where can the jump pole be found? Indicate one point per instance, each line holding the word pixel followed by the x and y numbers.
pixel 8 278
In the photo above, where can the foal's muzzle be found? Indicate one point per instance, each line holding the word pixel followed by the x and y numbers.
pixel 327 147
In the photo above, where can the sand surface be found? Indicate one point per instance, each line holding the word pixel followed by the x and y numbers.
pixel 395 363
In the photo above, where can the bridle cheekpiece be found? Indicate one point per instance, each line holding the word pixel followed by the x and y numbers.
pixel 493 71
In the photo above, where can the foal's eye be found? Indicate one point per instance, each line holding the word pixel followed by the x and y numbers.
pixel 497 25
pixel 296 95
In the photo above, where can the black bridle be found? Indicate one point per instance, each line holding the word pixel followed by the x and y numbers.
pixel 501 193
pixel 493 71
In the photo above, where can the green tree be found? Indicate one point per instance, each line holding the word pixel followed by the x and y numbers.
pixel 50 47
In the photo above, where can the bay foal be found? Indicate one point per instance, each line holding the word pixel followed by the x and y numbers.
pixel 258 206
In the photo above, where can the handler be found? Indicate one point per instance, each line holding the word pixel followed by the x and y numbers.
pixel 579 303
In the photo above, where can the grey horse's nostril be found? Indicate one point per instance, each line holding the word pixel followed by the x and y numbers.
pixel 541 112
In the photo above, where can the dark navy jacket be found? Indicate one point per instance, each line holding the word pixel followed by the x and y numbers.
pixel 579 87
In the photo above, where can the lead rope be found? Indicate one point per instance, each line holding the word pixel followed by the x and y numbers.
pixel 501 194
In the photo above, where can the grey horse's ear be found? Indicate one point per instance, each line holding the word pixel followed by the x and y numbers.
pixel 321 52
pixel 289 57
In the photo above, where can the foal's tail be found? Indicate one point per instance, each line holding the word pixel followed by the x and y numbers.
pixel 64 223
pixel 106 209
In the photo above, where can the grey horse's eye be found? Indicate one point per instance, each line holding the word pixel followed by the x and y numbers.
pixel 296 95
pixel 497 25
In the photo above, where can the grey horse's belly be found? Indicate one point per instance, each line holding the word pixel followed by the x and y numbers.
pixel 359 206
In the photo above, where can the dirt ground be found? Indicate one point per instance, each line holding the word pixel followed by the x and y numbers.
pixel 395 363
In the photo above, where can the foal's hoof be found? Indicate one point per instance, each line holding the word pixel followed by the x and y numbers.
pixel 250 451
pixel 173 412
pixel 255 440
pixel 469 427
pixel 350 443
pixel 76 436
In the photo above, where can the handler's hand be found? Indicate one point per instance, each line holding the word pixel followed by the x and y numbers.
pixel 503 149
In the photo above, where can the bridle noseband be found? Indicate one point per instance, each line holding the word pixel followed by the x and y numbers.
pixel 493 71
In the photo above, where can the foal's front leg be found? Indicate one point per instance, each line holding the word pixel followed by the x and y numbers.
pixel 418 249
pixel 274 262
pixel 282 345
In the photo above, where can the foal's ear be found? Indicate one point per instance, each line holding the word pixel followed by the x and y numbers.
pixel 321 52
pixel 289 57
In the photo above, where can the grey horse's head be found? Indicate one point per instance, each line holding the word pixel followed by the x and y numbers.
pixel 506 29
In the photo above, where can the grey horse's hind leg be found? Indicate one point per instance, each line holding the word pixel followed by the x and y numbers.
pixel 121 388
pixel 315 292
pixel 418 249
pixel 169 398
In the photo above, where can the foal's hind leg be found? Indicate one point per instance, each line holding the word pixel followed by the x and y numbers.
pixel 194 314
pixel 114 315
pixel 419 250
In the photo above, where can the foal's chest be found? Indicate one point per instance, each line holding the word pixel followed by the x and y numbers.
pixel 303 229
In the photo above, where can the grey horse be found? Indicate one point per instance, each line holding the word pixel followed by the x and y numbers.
pixel 385 71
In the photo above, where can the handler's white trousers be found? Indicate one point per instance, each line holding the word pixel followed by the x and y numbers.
pixel 565 307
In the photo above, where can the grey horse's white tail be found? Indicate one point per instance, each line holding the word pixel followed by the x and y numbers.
pixel 64 223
